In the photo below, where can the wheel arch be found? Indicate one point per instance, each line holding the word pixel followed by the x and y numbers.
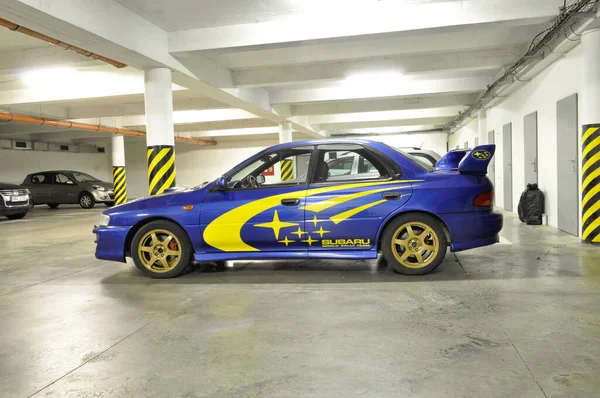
pixel 136 227
pixel 403 213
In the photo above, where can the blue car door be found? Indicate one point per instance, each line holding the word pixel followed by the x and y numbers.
pixel 262 208
pixel 345 210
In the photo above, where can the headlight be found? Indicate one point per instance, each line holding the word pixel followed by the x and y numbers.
pixel 99 188
pixel 28 191
pixel 103 220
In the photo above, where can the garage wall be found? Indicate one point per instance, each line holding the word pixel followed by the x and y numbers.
pixel 558 81
pixel 196 164
pixel 16 164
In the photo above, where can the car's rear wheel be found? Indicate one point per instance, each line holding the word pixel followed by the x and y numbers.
pixel 414 244
pixel 53 205
pixel 86 201
pixel 17 216
pixel 161 249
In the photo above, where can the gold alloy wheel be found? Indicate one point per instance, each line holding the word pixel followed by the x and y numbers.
pixel 415 245
pixel 159 251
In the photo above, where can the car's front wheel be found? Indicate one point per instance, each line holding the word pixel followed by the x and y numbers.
pixel 86 201
pixel 414 244
pixel 161 249
pixel 17 216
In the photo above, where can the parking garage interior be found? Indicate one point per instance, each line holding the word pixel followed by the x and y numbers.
pixel 132 98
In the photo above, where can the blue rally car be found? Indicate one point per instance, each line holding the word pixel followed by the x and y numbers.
pixel 300 200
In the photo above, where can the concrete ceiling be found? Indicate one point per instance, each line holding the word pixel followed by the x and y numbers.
pixel 328 66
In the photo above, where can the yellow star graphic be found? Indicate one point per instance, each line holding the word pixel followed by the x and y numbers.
pixel 276 224
pixel 321 231
pixel 310 240
pixel 315 221
pixel 299 232
pixel 286 241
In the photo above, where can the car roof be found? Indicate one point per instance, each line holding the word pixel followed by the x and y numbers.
pixel 327 141
pixel 54 171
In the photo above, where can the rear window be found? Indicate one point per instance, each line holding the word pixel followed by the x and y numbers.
pixel 419 162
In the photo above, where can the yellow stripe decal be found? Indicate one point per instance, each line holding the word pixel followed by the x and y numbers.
pixel 588 133
pixel 224 232
pixel 338 218
pixel 330 202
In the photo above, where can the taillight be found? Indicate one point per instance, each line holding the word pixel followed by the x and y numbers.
pixel 485 199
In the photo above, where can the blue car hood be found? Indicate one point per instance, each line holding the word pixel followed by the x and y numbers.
pixel 179 196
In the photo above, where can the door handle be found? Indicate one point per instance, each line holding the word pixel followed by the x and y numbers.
pixel 392 195
pixel 290 202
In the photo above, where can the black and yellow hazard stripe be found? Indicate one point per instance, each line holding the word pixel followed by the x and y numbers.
pixel 287 169
pixel 119 184
pixel 591 183
pixel 161 168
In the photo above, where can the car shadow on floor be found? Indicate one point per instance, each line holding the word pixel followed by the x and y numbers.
pixel 293 272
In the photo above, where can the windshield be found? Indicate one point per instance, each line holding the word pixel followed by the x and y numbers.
pixel 82 177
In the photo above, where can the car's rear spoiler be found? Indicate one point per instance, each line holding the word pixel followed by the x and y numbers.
pixel 450 161
pixel 468 161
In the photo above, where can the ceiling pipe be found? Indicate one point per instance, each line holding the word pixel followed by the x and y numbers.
pixel 21 29
pixel 12 117
pixel 554 44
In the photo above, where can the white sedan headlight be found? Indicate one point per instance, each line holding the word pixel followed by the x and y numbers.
pixel 103 220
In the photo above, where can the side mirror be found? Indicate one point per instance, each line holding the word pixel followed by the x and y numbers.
pixel 261 179
pixel 69 182
pixel 222 183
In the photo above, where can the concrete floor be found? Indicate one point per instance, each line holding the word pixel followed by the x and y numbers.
pixel 524 323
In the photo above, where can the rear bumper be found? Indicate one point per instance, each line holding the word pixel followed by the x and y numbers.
pixel 110 242
pixel 470 230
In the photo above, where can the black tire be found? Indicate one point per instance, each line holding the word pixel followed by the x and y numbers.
pixel 181 239
pixel 109 204
pixel 431 259
pixel 53 205
pixel 16 216
pixel 86 200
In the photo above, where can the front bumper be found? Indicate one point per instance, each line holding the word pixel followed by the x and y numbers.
pixel 110 242
pixel 474 229
pixel 103 196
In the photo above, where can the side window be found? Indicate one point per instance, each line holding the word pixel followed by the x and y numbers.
pixel 357 163
pixel 280 168
pixel 40 179
pixel 341 166
pixel 61 179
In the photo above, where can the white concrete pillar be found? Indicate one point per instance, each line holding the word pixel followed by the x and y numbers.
pixel 160 135
pixel 590 41
pixel 118 169
pixel 590 140
pixel 482 126
pixel 285 132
